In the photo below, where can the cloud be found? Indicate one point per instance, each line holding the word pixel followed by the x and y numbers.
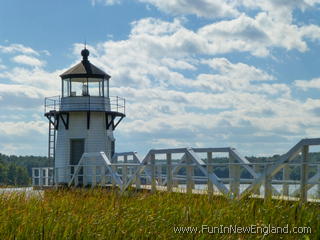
pixel 27 60
pixel 257 35
pixel 178 91
pixel 28 137
pixel 22 90
pixel 18 48
pixel 22 128
pixel 307 84
pixel 200 8
pixel 280 10
pixel 35 77
pixel 106 2
pixel 272 26
pixel 224 102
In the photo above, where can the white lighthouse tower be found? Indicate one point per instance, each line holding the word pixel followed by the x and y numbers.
pixel 82 119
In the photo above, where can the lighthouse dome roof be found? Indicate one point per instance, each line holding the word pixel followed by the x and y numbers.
pixel 84 69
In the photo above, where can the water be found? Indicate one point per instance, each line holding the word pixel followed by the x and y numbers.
pixel 29 191
pixel 312 192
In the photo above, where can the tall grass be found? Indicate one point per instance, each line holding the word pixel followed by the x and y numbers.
pixel 103 214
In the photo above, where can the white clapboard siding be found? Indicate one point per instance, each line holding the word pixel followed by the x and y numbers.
pixel 97 139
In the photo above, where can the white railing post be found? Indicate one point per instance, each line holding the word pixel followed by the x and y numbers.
pixel 33 177
pixel 257 169
pixel 103 175
pixel 153 172
pixel 51 176
pixel 210 171
pixel 285 178
pixel 84 173
pixel 46 176
pixel 189 175
pixel 94 175
pixel 234 175
pixel 138 181
pixel 76 177
pixel 169 172
pixel 159 170
pixel 318 190
pixel 304 174
pixel 66 173
pixel 267 182
pixel 115 170
pixel 56 176
pixel 40 177
pixel 125 169
pixel 134 169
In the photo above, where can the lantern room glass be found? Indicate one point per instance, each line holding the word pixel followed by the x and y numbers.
pixel 81 87
pixel 66 87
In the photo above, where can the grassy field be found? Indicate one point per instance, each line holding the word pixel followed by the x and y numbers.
pixel 103 214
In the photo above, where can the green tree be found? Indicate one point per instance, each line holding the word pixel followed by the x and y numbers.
pixel 22 177
pixel 12 175
pixel 3 174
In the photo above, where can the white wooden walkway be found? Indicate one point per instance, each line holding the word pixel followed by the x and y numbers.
pixel 190 167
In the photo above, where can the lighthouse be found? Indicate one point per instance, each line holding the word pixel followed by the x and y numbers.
pixel 82 119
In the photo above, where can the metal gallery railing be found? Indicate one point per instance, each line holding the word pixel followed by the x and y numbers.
pixel 88 103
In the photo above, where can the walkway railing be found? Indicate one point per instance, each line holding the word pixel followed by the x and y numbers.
pixel 42 176
pixel 201 170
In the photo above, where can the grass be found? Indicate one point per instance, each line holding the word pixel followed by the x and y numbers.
pixel 102 214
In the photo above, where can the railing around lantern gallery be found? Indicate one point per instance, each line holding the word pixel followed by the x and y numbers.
pixel 85 103
pixel 200 170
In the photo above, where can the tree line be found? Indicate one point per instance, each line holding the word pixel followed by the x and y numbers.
pixel 17 170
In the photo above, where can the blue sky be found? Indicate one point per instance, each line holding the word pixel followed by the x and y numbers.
pixel 241 73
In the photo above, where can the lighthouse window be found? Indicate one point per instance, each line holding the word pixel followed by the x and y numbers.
pixel 106 88
pixel 77 88
pixel 94 88
pixel 85 90
pixel 66 87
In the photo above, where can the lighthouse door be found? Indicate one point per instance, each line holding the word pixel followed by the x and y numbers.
pixel 76 151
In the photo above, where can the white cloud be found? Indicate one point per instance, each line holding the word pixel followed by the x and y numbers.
pixel 22 90
pixel 35 77
pixel 238 71
pixel 201 8
pixel 16 148
pixel 106 2
pixel 257 35
pixel 234 102
pixel 179 93
pixel 18 48
pixel 244 34
pixel 272 26
pixel 178 64
pixel 280 10
pixel 307 84
pixel 22 128
pixel 28 60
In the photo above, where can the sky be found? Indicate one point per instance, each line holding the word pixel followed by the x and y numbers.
pixel 195 73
